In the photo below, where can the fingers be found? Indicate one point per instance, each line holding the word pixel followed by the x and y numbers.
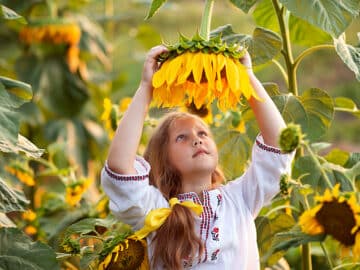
pixel 156 51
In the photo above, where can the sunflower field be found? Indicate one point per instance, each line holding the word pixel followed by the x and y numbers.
pixel 68 70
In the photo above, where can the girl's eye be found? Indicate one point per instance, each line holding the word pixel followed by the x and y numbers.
pixel 203 133
pixel 180 137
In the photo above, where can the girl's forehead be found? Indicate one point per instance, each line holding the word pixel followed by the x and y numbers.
pixel 186 123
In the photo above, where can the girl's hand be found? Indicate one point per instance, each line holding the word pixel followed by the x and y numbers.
pixel 246 61
pixel 151 65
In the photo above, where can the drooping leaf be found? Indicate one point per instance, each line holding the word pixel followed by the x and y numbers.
pixel 337 156
pixel 233 145
pixel 293 238
pixel 9 119
pixel 23 145
pixel 303 33
pixel 266 228
pixel 17 251
pixel 320 111
pixel 155 5
pixel 263 45
pixel 17 88
pixel 349 55
pixel 306 166
pixel 11 199
pixel 244 5
pixel 89 225
pixel 333 16
pixel 344 104
pixel 265 16
pixel 9 14
pixel 292 110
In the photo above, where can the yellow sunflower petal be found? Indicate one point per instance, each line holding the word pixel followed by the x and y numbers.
pixel 232 74
pixel 173 69
pixel 209 71
pixel 186 68
pixel 197 67
pixel 160 75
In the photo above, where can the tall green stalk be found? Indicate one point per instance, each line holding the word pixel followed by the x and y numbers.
pixel 206 19
pixel 283 20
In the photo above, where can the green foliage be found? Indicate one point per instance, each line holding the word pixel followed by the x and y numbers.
pixel 17 251
pixel 10 199
pixel 60 109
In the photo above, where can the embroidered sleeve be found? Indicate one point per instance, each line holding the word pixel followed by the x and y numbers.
pixel 131 196
pixel 260 183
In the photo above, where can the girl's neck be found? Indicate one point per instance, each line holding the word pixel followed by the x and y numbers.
pixel 196 183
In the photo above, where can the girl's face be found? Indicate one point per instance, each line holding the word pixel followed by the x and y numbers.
pixel 191 147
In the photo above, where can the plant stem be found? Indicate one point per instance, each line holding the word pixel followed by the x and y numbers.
pixel 286 51
pixel 206 19
pixel 306 257
pixel 326 255
pixel 283 72
pixel 323 173
pixel 309 51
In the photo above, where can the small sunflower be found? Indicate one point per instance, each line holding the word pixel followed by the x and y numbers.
pixel 335 215
pixel 56 33
pixel 200 71
pixel 24 173
pixel 129 255
pixel 109 117
pixel 74 191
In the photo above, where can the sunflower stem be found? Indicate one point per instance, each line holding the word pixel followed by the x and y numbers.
pixel 309 51
pixel 206 19
pixel 283 20
pixel 306 257
pixel 317 163
pixel 326 255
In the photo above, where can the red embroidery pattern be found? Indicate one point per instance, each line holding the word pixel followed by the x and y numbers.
pixel 215 234
pixel 124 177
pixel 267 148
pixel 215 254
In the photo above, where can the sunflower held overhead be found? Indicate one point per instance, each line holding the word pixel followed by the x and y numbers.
pixel 200 71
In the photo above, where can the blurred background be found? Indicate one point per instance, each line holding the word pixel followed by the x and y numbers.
pixel 67 115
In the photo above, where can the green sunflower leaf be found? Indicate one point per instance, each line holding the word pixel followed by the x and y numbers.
pixel 293 238
pixel 155 5
pixel 244 5
pixel 9 14
pixel 332 16
pixel 344 104
pixel 11 199
pixel 320 111
pixel 17 251
pixel 349 55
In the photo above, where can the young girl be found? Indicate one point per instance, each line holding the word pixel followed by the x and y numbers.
pixel 181 161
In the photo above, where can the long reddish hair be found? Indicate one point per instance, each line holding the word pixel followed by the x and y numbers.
pixel 176 239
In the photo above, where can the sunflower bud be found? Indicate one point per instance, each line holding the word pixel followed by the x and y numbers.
pixel 284 184
pixel 290 138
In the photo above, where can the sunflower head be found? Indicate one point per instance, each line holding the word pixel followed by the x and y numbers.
pixel 199 71
pixel 336 215
pixel 290 138
pixel 131 254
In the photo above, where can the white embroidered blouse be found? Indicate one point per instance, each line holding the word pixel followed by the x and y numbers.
pixel 227 223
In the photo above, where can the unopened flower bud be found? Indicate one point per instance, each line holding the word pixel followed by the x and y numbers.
pixel 290 138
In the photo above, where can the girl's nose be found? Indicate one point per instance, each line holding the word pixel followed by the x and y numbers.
pixel 196 142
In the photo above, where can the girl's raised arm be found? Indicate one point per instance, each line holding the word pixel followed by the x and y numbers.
pixel 123 148
pixel 267 115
